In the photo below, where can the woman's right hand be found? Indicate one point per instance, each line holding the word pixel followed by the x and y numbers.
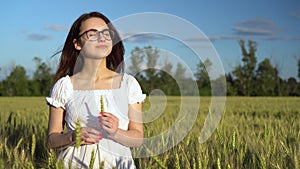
pixel 89 135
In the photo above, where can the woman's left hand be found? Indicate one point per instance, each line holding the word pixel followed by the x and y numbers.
pixel 109 123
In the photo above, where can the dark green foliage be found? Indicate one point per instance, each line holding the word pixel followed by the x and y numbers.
pixel 18 83
pixel 247 79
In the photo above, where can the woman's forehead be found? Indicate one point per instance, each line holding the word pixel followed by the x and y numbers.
pixel 95 23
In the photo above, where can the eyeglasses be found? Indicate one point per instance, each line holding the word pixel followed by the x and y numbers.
pixel 94 34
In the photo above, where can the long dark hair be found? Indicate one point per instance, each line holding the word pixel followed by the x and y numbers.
pixel 114 61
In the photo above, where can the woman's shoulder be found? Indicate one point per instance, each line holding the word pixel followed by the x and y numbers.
pixel 62 85
pixel 128 77
pixel 60 92
pixel 63 82
pixel 130 81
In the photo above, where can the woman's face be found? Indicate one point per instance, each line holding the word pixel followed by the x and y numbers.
pixel 99 45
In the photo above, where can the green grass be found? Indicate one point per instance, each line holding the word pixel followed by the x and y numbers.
pixel 255 132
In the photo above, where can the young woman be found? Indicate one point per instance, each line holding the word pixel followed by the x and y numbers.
pixel 90 78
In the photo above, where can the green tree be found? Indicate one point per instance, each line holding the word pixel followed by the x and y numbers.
pixel 180 72
pixel 180 78
pixel 231 90
pixel 148 78
pixel 16 84
pixel 203 78
pixel 1 86
pixel 42 78
pixel 292 86
pixel 2 91
pixel 245 73
pixel 166 77
pixel 266 79
pixel 136 58
pixel 151 79
pixel 299 68
pixel 152 56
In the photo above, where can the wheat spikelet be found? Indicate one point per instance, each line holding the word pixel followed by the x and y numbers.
pixel 194 163
pixel 78 141
pixel 286 150
pixel 22 160
pixel 102 165
pixel 51 158
pixel 233 139
pixel 161 164
pixel 7 152
pixel 219 163
pixel 206 160
pixel 186 158
pixel 263 162
pixel 199 162
pixel 33 145
pixel 177 162
pixel 188 140
pixel 15 150
pixel 1 147
pixel 60 164
pixel 221 140
pixel 166 158
pixel 296 161
pixel 101 104
pixel 91 165
pixel 70 164
pixel 29 165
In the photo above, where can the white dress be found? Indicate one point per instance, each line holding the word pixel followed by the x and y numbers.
pixel 85 105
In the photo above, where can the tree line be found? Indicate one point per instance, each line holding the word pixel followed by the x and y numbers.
pixel 250 78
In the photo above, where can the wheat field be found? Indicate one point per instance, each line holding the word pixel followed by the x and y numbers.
pixel 254 132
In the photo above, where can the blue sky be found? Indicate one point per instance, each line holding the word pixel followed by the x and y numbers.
pixel 38 28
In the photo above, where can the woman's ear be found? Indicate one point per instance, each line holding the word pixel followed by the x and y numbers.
pixel 77 44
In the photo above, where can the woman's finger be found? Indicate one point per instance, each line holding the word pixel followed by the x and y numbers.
pixel 109 115
pixel 93 131
pixel 90 135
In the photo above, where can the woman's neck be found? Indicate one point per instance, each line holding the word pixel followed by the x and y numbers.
pixel 94 69
pixel 93 75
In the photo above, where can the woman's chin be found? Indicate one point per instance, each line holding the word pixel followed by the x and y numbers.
pixel 98 57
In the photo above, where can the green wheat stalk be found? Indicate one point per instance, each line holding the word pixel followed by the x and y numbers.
pixel 219 163
pixel 234 140
pixel 102 110
pixel 91 166
pixel 78 141
pixel 177 163
pixel 296 161
pixel 102 103
pixel 7 152
pixel 15 150
pixel 194 163
pixel 220 137
pixel 22 160
pixel 33 145
pixel 51 158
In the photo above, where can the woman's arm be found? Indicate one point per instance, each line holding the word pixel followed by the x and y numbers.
pixel 133 137
pixel 57 139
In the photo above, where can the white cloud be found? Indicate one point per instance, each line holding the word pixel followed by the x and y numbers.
pixel 258 26
pixel 37 37
pixel 296 13
pixel 56 27
pixel 140 37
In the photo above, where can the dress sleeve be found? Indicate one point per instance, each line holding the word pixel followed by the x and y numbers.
pixel 135 94
pixel 60 92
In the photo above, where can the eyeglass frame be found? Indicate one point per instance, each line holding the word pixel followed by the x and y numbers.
pixel 111 34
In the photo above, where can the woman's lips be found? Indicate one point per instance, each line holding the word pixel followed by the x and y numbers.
pixel 101 46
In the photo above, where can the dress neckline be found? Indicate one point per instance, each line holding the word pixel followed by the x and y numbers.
pixel 93 90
